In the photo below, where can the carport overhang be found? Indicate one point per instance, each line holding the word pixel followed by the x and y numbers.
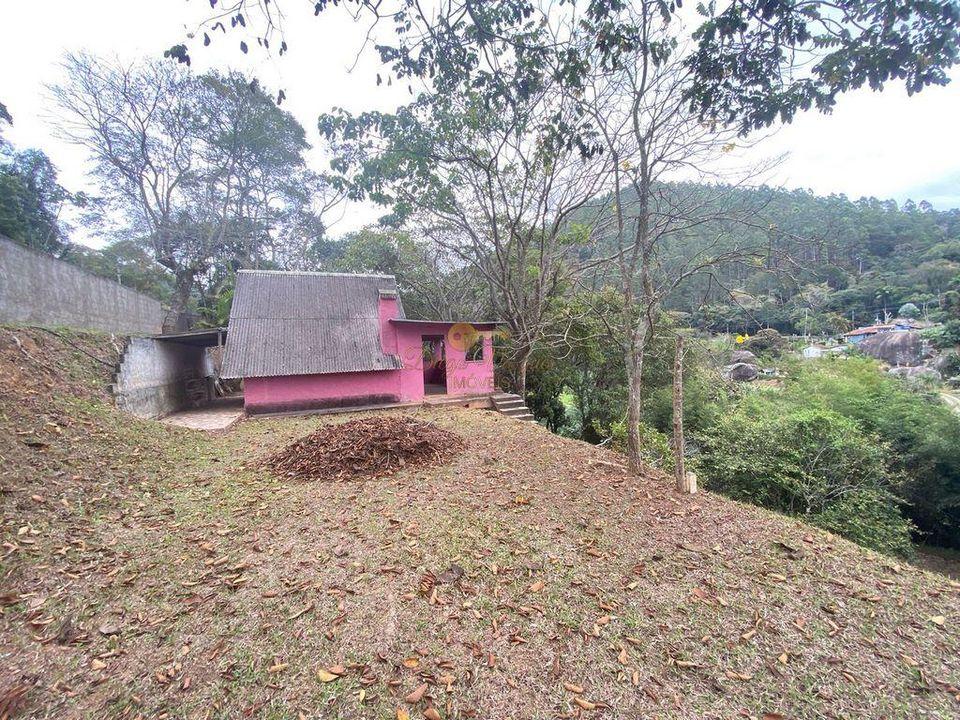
pixel 207 337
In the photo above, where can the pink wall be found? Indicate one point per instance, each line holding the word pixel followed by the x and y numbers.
pixel 295 392
pixel 301 392
pixel 463 377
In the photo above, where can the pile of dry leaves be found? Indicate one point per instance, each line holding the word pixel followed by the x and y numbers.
pixel 365 448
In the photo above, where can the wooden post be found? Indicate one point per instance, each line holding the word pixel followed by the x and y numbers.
pixel 686 482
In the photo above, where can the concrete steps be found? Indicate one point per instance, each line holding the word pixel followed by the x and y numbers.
pixel 118 368
pixel 512 406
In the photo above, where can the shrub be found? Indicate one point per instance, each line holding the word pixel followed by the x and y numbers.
pixel 922 433
pixel 805 462
pixel 656 449
pixel 944 336
pixel 766 342
pixel 870 518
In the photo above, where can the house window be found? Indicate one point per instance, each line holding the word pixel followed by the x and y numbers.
pixel 475 351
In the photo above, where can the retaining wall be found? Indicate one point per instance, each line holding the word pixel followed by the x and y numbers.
pixel 151 380
pixel 36 289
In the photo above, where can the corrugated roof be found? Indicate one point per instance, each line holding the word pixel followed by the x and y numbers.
pixel 305 323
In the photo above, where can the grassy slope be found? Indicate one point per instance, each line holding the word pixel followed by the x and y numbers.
pixel 224 590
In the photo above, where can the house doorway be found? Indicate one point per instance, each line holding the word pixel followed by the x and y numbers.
pixel 434 365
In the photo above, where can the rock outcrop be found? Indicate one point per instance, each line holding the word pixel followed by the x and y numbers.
pixel 895 348
pixel 742 372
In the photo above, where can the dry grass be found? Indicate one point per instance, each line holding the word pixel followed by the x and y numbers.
pixel 154 572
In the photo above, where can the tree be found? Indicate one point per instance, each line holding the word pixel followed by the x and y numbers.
pixel 755 61
pixel 126 262
pixel 201 169
pixel 651 239
pixel 492 185
pixel 31 200
pixel 432 281
pixel 5 119
pixel 908 310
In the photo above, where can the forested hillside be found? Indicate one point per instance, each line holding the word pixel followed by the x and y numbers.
pixel 811 263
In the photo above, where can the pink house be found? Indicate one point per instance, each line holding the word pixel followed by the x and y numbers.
pixel 304 340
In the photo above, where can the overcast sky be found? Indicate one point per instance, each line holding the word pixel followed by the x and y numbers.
pixel 885 144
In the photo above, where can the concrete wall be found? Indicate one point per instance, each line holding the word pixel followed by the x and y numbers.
pixel 37 289
pixel 150 382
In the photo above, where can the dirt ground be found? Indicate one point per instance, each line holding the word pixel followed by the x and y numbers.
pixel 158 572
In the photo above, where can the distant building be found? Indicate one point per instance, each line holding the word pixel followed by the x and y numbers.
pixel 811 352
pixel 858 335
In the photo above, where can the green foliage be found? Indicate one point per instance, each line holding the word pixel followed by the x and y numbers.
pixel 744 47
pixel 656 448
pixel 908 310
pixel 544 389
pixel 370 251
pixel 126 262
pixel 811 463
pixel 30 201
pixel 589 366
pixel 922 434
pixel 944 336
pixel 704 400
pixel 743 53
pixel 870 518
pixel 830 264
pixel 766 342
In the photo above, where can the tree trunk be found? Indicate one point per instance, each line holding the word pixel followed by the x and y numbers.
pixel 634 363
pixel 520 379
pixel 685 483
pixel 178 319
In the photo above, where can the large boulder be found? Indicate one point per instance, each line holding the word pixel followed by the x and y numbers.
pixel 904 347
pixel 742 372
pixel 743 356
pixel 947 364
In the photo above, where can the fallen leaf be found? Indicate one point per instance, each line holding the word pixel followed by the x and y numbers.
pixel 570 687
pixel 584 704
pixel 324 675
pixel 938 620
pixel 414 697
pixel 431 714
